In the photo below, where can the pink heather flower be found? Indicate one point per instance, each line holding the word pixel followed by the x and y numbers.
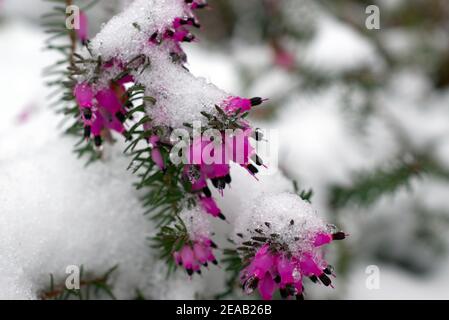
pixel 197 4
pixel 156 154
pixel 322 239
pixel 101 110
pixel 214 158
pixel 234 104
pixel 239 146
pixel 198 182
pixel 108 100
pixel 285 270
pixel 97 127
pixel 186 21
pixel 203 252
pixel 267 287
pixel 111 63
pixel 188 259
pixel 210 161
pixel 271 269
pixel 114 124
pixel 83 95
pixel 177 35
pixel 210 206
pixel 215 171
pixel 82 31
pixel 183 35
pixel 193 255
pixel 125 79
pixel 197 178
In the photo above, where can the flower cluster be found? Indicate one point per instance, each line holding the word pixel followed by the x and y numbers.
pixel 209 159
pixel 101 94
pixel 280 240
pixel 274 268
pixel 102 111
pixel 195 254
pixel 103 102
pixel 135 83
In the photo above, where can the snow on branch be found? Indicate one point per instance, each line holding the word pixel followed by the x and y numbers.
pixel 131 79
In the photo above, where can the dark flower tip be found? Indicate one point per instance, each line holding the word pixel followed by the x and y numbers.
pixel 213 245
pixel 277 279
pixel 207 192
pixel 256 101
pixel 86 131
pixel 339 236
pixel 120 116
pixel 97 141
pixel 325 279
pixel 300 297
pixel 252 169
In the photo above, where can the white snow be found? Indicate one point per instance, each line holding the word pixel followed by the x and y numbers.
pixel 180 97
pixel 125 35
pixel 287 215
pixel 197 222
pixel 56 212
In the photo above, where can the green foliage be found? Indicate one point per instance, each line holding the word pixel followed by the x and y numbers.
pixel 90 288
pixel 165 191
pixel 305 195
pixel 223 121
pixel 368 187
pixel 232 264
pixel 61 74
pixel 59 41
pixel 169 240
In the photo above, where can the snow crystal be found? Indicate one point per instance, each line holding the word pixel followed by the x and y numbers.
pixel 293 219
pixel 125 35
pixel 196 222
pixel 180 97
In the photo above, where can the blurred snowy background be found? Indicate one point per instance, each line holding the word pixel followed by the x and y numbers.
pixel 363 118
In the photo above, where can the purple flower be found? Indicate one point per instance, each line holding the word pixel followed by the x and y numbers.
pixel 195 254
